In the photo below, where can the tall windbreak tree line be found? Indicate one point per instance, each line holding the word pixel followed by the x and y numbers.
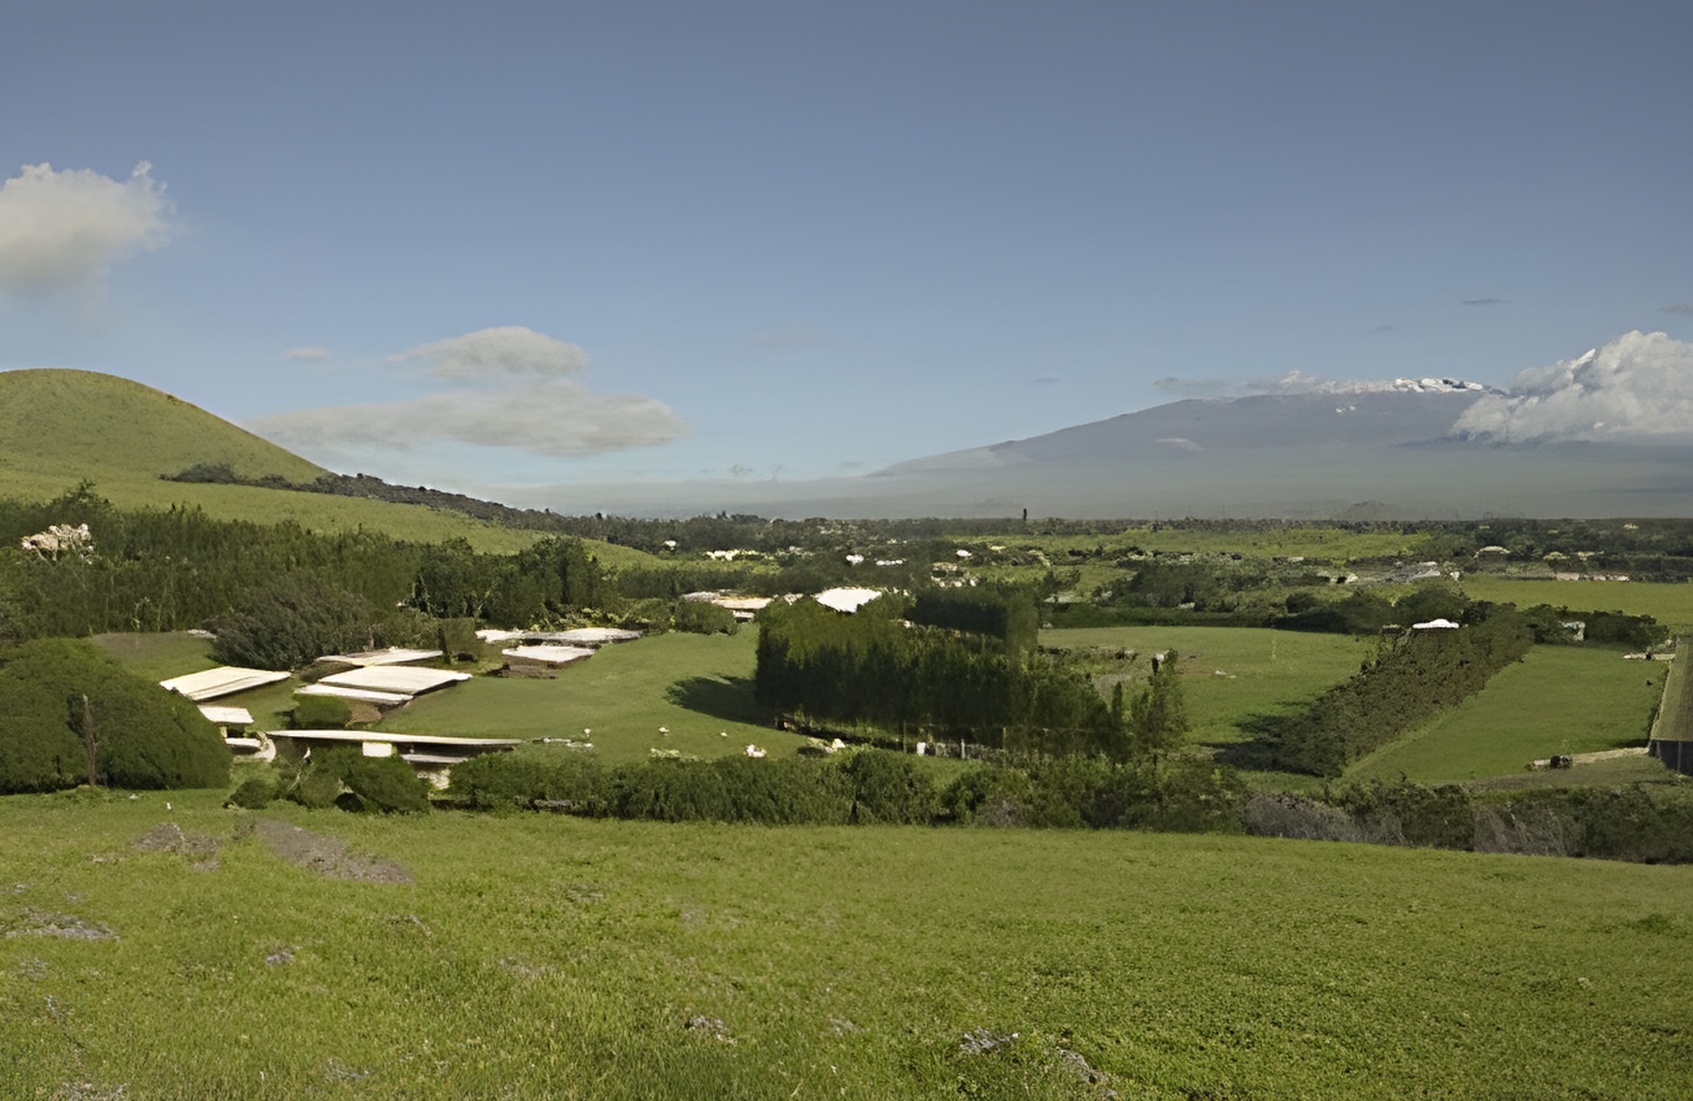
pixel 875 668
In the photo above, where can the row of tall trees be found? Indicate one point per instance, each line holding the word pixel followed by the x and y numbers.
pixel 1414 676
pixel 874 668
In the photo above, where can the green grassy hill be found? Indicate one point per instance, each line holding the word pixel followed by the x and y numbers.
pixel 55 421
pixel 59 427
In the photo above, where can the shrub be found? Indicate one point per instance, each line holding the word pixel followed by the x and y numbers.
pixel 497 781
pixel 50 689
pixel 316 781
pixel 890 787
pixel 386 784
pixel 989 796
pixel 254 793
pixel 702 617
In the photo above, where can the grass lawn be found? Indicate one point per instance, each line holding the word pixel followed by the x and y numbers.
pixel 1670 604
pixel 697 686
pixel 1559 699
pixel 1228 673
pixel 540 956
pixel 158 655
pixel 1312 541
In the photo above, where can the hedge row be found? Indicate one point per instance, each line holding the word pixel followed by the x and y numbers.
pixel 867 786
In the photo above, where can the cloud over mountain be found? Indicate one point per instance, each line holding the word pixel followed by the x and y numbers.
pixel 1638 384
pixel 63 229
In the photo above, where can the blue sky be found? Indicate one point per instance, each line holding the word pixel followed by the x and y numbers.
pixel 794 240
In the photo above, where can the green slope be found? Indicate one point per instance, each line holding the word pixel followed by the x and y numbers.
pixel 60 420
pixel 59 427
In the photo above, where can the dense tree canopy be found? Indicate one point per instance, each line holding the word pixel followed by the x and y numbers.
pixel 58 695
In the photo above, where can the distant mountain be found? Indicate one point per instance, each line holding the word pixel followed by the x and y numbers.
pixel 1366 453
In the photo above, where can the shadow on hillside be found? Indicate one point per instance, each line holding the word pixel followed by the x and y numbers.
pixel 720 697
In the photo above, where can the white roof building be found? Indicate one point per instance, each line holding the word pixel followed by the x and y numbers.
pixel 846 600
pixel 364 695
pixel 227 716
pixel 393 655
pixel 548 655
pixel 395 678
pixel 225 680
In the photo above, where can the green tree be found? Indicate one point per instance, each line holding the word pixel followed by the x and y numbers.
pixel 56 692
pixel 1157 717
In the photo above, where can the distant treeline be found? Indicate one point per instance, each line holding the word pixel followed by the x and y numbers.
pixel 1655 549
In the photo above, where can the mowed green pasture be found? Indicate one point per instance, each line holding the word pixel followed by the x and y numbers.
pixel 1309 541
pixel 1228 673
pixel 542 956
pixel 1558 699
pixel 698 687
pixel 1670 604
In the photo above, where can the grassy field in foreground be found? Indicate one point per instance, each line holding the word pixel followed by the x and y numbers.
pixel 1229 673
pixel 1559 699
pixel 537 956
pixel 1670 604
pixel 698 687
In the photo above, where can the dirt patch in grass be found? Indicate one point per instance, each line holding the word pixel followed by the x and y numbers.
pixel 41 923
pixel 327 856
pixel 167 837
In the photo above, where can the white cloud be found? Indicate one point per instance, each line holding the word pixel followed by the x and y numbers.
pixel 523 405
pixel 509 350
pixel 62 229
pixel 556 418
pixel 308 354
pixel 1638 384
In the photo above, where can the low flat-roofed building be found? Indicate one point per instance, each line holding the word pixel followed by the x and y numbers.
pixel 577 636
pixel 430 754
pixel 547 655
pixel 401 679
pixel 225 680
pixel 227 718
pixel 393 655
pixel 846 600
pixel 363 695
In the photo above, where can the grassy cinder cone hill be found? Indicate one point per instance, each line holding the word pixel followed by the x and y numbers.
pixel 55 420
pixel 59 427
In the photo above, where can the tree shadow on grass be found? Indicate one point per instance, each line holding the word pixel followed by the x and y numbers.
pixel 1259 753
pixel 727 698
